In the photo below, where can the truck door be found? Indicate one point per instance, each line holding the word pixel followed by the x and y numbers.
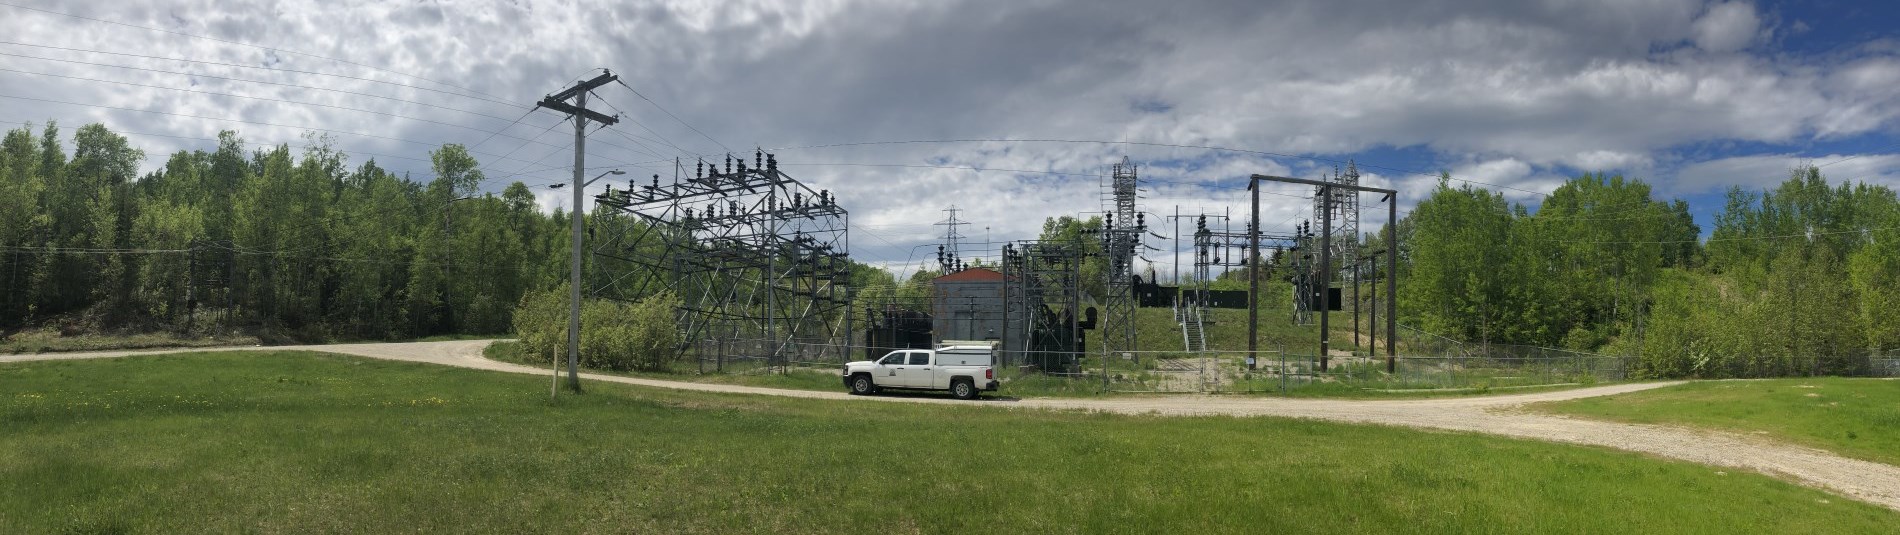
pixel 917 372
pixel 885 372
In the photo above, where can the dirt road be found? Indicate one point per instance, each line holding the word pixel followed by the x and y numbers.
pixel 1498 415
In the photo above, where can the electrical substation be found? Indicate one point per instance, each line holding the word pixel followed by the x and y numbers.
pixel 757 259
pixel 760 263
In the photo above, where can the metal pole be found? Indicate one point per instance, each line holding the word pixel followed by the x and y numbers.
pixel 574 258
pixel 1253 279
pixel 1002 344
pixel 1325 273
pixel 1372 319
pixel 1391 282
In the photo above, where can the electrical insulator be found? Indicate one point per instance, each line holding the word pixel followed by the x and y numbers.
pixel 728 164
pixel 758 159
pixel 699 169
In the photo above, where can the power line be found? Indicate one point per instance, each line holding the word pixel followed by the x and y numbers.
pixel 262 68
pixel 1146 144
pixel 254 81
pixel 213 139
pixel 260 123
pixel 1737 238
pixel 675 117
pixel 491 133
pixel 272 49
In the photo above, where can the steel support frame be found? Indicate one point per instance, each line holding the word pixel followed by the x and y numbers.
pixel 1325 188
pixel 750 251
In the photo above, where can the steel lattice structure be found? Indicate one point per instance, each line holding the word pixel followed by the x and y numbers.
pixel 1227 249
pixel 1344 213
pixel 752 253
pixel 1121 236
pixel 1046 278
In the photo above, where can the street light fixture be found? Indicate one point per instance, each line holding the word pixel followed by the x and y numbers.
pixel 590 181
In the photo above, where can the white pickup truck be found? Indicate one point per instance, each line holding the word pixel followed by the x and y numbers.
pixel 963 370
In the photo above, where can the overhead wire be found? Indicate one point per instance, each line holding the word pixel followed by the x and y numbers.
pixel 245 121
pixel 491 133
pixel 264 82
pixel 268 48
pixel 261 68
pixel 663 109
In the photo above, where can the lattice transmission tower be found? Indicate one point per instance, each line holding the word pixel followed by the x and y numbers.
pixel 1121 236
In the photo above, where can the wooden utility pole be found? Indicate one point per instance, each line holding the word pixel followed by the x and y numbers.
pixel 579 113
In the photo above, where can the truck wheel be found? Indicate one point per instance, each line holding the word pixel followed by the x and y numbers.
pixel 963 389
pixel 861 385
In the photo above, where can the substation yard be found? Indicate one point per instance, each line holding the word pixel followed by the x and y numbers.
pixel 665 454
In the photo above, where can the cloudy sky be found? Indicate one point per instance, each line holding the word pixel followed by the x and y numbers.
pixel 1011 110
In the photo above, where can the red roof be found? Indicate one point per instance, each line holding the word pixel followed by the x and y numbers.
pixel 971 275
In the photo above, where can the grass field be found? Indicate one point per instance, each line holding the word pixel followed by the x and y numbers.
pixel 303 442
pixel 1854 417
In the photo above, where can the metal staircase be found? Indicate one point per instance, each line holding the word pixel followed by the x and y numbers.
pixel 1193 329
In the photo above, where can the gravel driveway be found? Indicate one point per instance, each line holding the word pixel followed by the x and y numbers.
pixel 1497 415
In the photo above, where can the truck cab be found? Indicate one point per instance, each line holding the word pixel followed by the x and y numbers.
pixel 963 370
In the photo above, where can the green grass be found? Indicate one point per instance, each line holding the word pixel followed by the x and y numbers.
pixel 1155 330
pixel 1857 418
pixel 50 340
pixel 305 442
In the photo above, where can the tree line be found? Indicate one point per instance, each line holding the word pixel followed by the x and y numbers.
pixel 281 243
pixel 292 243
pixel 1797 279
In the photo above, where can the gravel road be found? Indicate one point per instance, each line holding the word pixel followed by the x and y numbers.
pixel 1497 415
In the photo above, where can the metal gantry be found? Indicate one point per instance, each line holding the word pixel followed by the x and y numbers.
pixel 1343 210
pixel 753 254
pixel 1326 266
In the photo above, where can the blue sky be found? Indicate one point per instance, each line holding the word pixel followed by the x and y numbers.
pixel 1692 96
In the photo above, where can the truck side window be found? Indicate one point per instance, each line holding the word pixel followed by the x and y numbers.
pixel 893 359
pixel 919 358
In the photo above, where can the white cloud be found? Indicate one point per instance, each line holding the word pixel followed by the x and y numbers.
pixel 1502 91
pixel 1766 171
pixel 1727 27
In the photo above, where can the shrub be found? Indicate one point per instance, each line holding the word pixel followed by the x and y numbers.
pixel 614 335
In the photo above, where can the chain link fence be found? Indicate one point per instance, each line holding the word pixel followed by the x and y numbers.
pixel 1426 362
